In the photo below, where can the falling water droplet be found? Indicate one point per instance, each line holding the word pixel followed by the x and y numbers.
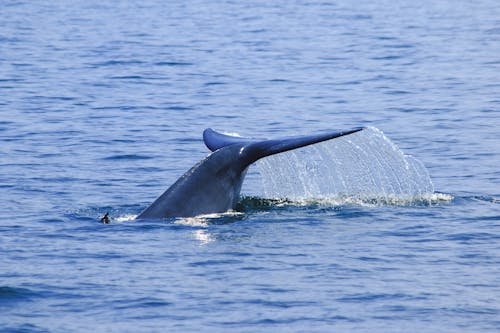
pixel 365 165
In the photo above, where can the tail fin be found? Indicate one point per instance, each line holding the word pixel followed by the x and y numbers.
pixel 254 149
pixel 215 140
pixel 262 149
pixel 213 185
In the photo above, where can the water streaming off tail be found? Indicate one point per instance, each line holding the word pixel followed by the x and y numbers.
pixel 365 167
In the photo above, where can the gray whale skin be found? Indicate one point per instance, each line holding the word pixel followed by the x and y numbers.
pixel 213 185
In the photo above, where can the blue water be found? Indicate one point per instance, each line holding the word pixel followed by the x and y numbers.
pixel 102 106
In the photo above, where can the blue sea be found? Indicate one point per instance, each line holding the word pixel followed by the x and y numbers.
pixel 102 108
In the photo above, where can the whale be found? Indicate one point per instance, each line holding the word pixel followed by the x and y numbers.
pixel 213 185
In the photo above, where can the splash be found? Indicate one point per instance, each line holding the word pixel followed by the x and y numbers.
pixel 207 219
pixel 124 218
pixel 362 168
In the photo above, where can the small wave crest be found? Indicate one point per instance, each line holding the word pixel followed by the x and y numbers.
pixel 127 157
pixel 13 294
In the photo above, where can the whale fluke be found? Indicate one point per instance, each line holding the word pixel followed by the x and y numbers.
pixel 213 185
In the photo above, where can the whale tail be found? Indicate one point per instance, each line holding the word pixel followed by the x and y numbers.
pixel 213 185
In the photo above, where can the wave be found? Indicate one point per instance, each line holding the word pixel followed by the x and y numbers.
pixel 9 294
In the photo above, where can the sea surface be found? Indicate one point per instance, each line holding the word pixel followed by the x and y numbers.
pixel 102 107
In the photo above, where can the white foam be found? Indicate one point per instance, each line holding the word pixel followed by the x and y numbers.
pixel 368 201
pixel 125 218
pixel 204 220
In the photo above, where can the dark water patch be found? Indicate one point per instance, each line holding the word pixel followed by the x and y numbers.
pixel 149 169
pixel 49 155
pixel 42 98
pixel 179 108
pixel 127 77
pixel 349 83
pixel 18 64
pixel 386 38
pixel 99 84
pixel 475 310
pixel 141 303
pixel 357 17
pixel 406 233
pixel 127 157
pixel 397 92
pixel 330 58
pixel 24 328
pixel 472 237
pixel 124 141
pixel 372 297
pixel 490 199
pixel 59 235
pixel 351 213
pixel 117 63
pixel 252 268
pixel 236 254
pixel 214 83
pixel 103 184
pixel 483 218
pixel 14 293
pixel 257 31
pixel 12 40
pixel 225 116
pixel 395 308
pixel 278 304
pixel 187 140
pixel 278 80
pixel 275 290
pixel 475 257
pixel 399 46
pixel 269 323
pixel 494 62
pixel 251 18
pixel 410 110
pixel 173 63
pixel 371 259
pixel 13 80
pixel 17 228
pixel 388 57
pixel 221 262
pixel 62 179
